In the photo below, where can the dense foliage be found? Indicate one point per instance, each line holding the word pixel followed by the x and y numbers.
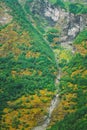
pixel 74 121
pixel 28 70
pixel 27 62
pixel 82 36
pixel 73 90
pixel 76 7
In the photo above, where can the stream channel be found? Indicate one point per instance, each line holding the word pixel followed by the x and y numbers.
pixel 55 101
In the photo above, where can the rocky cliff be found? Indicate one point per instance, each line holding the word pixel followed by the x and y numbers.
pixel 69 23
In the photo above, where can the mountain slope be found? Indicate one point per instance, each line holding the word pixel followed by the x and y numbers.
pixel 36 38
pixel 71 113
pixel 27 62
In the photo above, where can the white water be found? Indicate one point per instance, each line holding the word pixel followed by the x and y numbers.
pixel 55 101
pixel 53 105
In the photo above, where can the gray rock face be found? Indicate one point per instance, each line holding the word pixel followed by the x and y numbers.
pixel 53 13
pixel 5 16
pixel 70 24
pixel 45 10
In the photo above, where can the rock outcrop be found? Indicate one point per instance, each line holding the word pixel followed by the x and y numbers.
pixel 69 23
pixel 5 16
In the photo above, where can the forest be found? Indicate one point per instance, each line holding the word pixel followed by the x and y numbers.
pixel 30 60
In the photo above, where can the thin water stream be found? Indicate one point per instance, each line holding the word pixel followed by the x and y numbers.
pixel 55 101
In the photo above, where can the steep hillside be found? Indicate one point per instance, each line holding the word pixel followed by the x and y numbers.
pixel 43 60
pixel 71 113
pixel 55 23
pixel 27 65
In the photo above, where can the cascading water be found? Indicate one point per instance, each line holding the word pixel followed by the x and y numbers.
pixel 55 101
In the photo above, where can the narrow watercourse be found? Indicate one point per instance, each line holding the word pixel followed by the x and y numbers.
pixel 55 101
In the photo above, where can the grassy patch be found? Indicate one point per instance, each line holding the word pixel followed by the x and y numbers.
pixel 82 36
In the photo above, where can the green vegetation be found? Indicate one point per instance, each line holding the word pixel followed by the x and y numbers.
pixel 76 7
pixel 81 37
pixel 27 62
pixel 53 1
pixel 38 22
pixel 26 111
pixel 28 71
pixel 73 92
pixel 74 121
pixel 51 34
pixel 78 119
